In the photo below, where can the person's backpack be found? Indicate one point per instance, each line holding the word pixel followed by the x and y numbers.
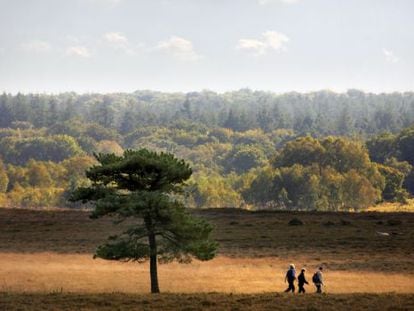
pixel 315 278
pixel 290 274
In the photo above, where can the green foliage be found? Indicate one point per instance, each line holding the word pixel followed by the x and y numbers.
pixel 381 147
pixel 227 138
pixel 359 192
pixel 56 148
pixel 245 157
pixel 332 173
pixel 259 188
pixel 397 152
pixel 44 184
pixel 144 185
pixel 319 113
pixel 35 197
pixel 405 143
pixel 304 151
pixel 4 179
pixel 213 190
pixel 394 179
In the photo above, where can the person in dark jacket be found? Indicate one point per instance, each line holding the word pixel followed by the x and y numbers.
pixel 290 278
pixel 302 281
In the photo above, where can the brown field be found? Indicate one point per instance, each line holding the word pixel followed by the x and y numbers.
pixel 210 301
pixel 43 252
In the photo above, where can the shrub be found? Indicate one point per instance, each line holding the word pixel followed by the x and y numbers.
pixel 295 222
pixel 394 222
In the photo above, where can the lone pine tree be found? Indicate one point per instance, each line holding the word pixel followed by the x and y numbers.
pixel 143 186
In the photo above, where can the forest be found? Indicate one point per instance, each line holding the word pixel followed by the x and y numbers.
pixel 248 149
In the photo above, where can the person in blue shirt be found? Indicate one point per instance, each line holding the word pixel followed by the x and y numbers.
pixel 290 278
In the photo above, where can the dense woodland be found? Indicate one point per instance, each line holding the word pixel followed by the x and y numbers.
pixel 251 149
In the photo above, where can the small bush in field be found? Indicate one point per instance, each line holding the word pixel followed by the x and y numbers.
pixel 295 222
pixel 394 222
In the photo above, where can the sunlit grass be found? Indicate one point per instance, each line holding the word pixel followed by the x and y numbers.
pixel 46 261
pixel 47 272
pixel 393 207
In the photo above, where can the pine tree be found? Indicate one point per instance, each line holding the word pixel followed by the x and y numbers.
pixel 143 186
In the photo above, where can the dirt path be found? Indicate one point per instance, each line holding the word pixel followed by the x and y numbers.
pixel 51 272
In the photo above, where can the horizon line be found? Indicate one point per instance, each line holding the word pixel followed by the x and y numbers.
pixel 253 90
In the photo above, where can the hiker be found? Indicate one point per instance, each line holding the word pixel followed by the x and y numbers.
pixel 317 279
pixel 290 278
pixel 302 281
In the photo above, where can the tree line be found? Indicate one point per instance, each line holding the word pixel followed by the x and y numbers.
pixel 320 150
pixel 316 113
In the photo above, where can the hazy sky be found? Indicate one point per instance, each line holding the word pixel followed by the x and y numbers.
pixel 186 45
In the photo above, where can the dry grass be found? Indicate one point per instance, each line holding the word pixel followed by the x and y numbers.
pixel 45 252
pixel 211 301
pixel 331 237
pixel 342 241
pixel 393 207
pixel 48 272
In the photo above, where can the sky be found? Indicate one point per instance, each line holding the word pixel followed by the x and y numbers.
pixel 52 46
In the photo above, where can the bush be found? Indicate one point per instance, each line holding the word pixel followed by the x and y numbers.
pixel 394 222
pixel 295 222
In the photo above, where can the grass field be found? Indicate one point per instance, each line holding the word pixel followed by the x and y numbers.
pixel 393 207
pixel 210 301
pixel 44 252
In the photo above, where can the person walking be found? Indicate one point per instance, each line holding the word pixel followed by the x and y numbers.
pixel 302 281
pixel 317 279
pixel 290 278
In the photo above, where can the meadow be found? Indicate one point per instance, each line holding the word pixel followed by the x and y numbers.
pixel 46 263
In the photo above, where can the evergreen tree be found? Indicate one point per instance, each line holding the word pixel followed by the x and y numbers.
pixel 142 185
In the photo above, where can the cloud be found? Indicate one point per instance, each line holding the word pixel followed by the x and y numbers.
pixel 253 45
pixel 36 46
pixel 115 37
pixel 390 56
pixel 79 51
pixel 265 2
pixel 270 40
pixel 118 41
pixel 179 48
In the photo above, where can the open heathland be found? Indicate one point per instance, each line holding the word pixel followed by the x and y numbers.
pixel 46 263
pixel 210 301
pixel 342 241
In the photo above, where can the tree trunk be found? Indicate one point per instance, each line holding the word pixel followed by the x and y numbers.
pixel 153 264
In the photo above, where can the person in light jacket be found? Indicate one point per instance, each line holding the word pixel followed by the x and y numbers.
pixel 290 278
pixel 317 279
